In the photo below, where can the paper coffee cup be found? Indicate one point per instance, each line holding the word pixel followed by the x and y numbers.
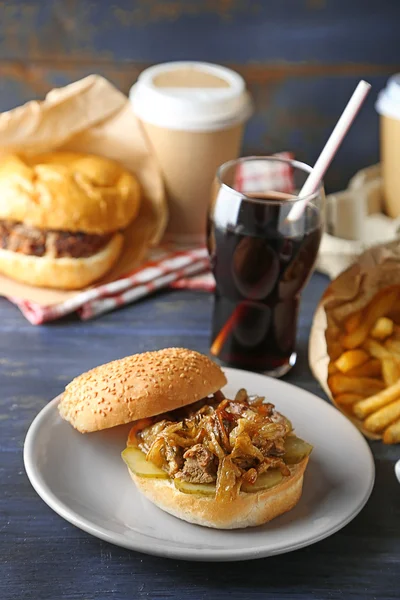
pixel 193 114
pixel 388 106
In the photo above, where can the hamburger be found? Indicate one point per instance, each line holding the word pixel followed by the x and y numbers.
pixel 63 216
pixel 204 458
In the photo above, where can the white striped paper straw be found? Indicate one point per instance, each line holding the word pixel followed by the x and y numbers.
pixel 331 147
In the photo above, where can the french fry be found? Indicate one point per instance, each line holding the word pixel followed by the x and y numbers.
pixel 372 368
pixel 382 329
pixel 351 359
pixel 390 370
pixel 349 398
pixel 365 386
pixel 332 368
pixel 356 338
pixel 376 349
pixel 381 305
pixel 377 308
pixel 392 434
pixel 393 346
pixel 353 322
pixel 334 349
pixel 365 407
pixel 383 417
pixel 396 331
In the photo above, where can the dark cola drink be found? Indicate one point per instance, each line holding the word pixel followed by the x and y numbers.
pixel 261 263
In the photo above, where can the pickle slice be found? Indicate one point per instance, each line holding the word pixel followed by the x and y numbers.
pixel 295 450
pixel 203 489
pixel 136 461
pixel 265 481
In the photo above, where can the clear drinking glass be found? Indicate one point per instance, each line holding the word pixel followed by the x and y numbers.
pixel 261 262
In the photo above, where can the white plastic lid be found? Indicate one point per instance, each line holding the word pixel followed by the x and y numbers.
pixel 191 96
pixel 388 103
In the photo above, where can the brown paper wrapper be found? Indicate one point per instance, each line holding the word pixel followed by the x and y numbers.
pixel 376 269
pixel 93 117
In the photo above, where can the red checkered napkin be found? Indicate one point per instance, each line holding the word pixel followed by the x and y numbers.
pixel 204 282
pixel 164 269
pixel 256 175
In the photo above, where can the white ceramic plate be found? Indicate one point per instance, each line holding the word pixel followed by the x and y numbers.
pixel 83 479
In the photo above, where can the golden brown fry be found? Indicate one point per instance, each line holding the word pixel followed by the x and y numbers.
pixel 381 305
pixel 353 322
pixel 334 349
pixel 382 329
pixel 377 308
pixel 332 368
pixel 376 349
pixel 348 398
pixel 392 434
pixel 390 370
pixel 351 359
pixel 372 368
pixel 356 338
pixel 365 407
pixel 393 346
pixel 383 417
pixel 339 384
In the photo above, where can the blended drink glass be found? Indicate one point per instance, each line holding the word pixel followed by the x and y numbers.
pixel 261 262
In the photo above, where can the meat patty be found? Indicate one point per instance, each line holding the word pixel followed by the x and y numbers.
pixel 200 465
pixel 24 239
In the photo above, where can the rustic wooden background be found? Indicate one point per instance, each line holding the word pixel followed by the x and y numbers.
pixel 301 58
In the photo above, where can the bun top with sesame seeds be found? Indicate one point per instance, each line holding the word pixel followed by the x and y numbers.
pixel 139 386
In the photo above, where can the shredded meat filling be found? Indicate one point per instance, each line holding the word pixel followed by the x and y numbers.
pixel 200 465
pixel 24 239
pixel 218 441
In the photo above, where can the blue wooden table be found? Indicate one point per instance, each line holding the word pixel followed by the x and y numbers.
pixel 43 557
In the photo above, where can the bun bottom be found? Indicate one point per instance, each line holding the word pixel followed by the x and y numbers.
pixel 60 273
pixel 247 510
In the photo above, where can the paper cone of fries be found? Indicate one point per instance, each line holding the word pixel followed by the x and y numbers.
pixel 354 349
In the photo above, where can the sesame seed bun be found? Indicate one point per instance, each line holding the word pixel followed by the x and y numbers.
pixel 247 510
pixel 139 386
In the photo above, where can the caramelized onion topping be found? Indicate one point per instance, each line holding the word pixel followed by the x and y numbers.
pixel 217 440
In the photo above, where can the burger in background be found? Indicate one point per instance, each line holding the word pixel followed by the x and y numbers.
pixel 63 217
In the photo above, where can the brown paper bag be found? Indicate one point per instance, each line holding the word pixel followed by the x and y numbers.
pixel 89 116
pixel 375 269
